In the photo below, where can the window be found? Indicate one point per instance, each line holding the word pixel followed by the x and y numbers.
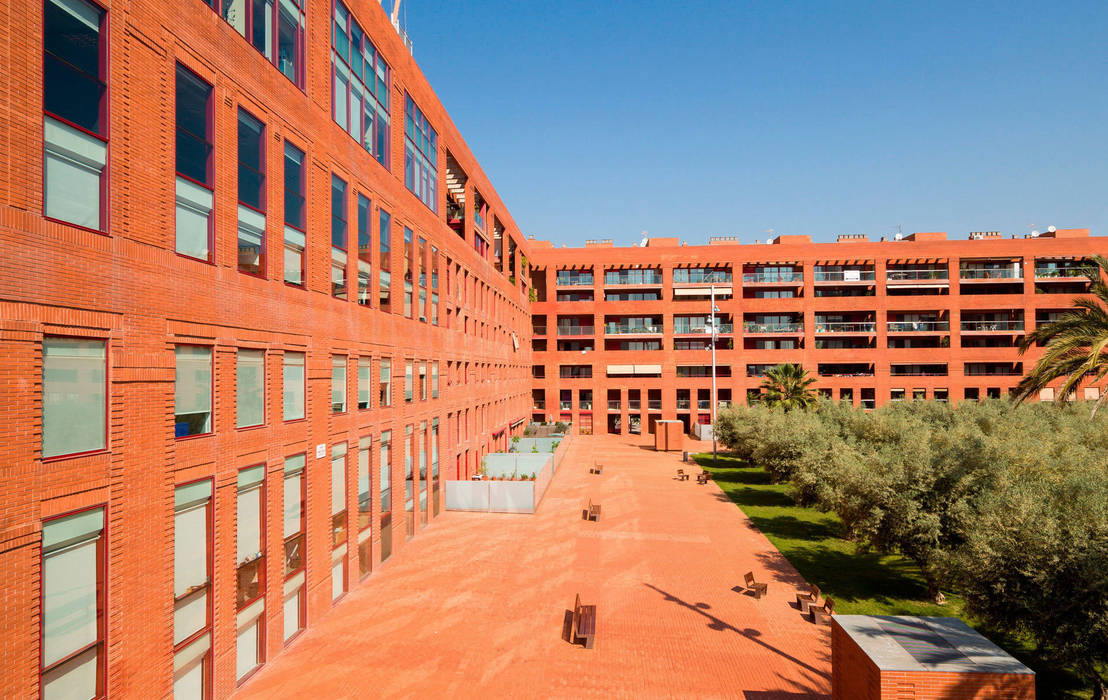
pixel 254 20
pixel 421 262
pixel 434 286
pixel 250 566
pixel 338 384
pixel 72 605
pixel 75 102
pixel 365 530
pixel 195 179
pixel 338 238
pixel 250 388
pixel 295 241
pixel 421 442
pixel 293 386
pixel 434 380
pixel 385 383
pixel 409 478
pixel 74 396
pixel 420 155
pixel 408 381
pixel 384 484
pixel 251 195
pixel 408 253
pixel 363 382
pixel 290 40
pixel 384 234
pixel 435 463
pixel 360 85
pixel 338 520
pixel 192 546
pixel 365 252
pixel 193 391
pixel 422 381
pixel 295 494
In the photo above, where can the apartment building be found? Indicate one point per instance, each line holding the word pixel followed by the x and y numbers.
pixel 623 336
pixel 258 300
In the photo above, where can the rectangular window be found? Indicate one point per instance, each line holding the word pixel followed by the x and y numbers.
pixel 295 240
pixel 265 26
pixel 365 542
pixel 385 383
pixel 421 442
pixel 192 546
pixel 74 396
pixel 193 391
pixel 420 155
pixel 72 605
pixel 434 380
pixel 384 234
pixel 338 237
pixel 422 381
pixel 295 495
pixel 363 382
pixel 293 386
pixel 384 484
pixel 408 381
pixel 250 565
pixel 409 478
pixel 338 384
pixel 290 40
pixel 408 272
pixel 435 464
pixel 365 251
pixel 195 178
pixel 251 184
pixel 360 85
pixel 434 286
pixel 338 520
pixel 75 105
pixel 250 388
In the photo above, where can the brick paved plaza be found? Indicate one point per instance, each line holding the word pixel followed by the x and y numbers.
pixel 475 605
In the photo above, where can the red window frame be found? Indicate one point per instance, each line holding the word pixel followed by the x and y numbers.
pixel 300 224
pixel 261 528
pixel 101 642
pixel 209 139
pixel 107 398
pixel 302 535
pixel 207 628
pixel 211 363
pixel 262 186
pixel 304 386
pixel 105 78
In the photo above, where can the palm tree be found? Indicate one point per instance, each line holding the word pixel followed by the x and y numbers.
pixel 1075 343
pixel 788 386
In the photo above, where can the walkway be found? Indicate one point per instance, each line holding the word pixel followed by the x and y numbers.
pixel 474 607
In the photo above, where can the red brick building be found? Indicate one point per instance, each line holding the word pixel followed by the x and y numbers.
pixel 258 299
pixel 621 335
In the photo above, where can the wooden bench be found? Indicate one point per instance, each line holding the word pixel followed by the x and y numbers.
pixel 592 511
pixel 584 622
pixel 821 614
pixel 806 600
pixel 758 588
pixel 596 468
pixel 681 475
pixel 702 477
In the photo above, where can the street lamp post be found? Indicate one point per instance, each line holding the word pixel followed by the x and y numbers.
pixel 714 330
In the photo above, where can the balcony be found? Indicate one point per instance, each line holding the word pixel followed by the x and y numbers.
pixel 1047 273
pixel 540 405
pixel 683 404
pixel 565 405
pixel 844 276
pixel 654 405
pixel 773 328
pixel 918 326
pixel 633 278
pixel 795 277
pixel 989 273
pixel 992 326
pixel 924 275
pixel 538 330
pixel 574 280
pixel 697 275
pixel 723 403
pixel 613 404
pixel 621 329
pixel 845 327
pixel 701 328
pixel 575 330
pixel 584 405
pixel 935 370
pixel 704 403
pixel 633 404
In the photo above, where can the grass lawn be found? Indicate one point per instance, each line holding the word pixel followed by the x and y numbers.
pixel 860 583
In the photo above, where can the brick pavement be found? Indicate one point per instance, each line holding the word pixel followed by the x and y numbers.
pixel 475 605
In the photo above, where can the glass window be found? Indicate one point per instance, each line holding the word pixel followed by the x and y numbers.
pixel 365 250
pixel 384 484
pixel 408 289
pixel 338 237
pixel 365 542
pixel 420 155
pixel 75 104
pixel 360 89
pixel 290 40
pixel 384 235
pixel 251 187
pixel 422 381
pixel 250 574
pixel 72 649
pixel 338 520
pixel 192 545
pixel 295 240
pixel 194 165
pixel 193 391
pixel 338 384
pixel 74 396
pixel 408 381
pixel 250 388
pixel 363 382
pixel 293 386
pixel 295 494
pixel 385 383
pixel 434 380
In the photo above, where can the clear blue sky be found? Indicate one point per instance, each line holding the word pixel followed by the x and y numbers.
pixel 603 119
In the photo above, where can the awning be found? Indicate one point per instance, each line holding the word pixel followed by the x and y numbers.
pixel 700 291
pixel 634 369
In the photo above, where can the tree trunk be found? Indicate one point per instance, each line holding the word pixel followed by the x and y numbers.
pixel 1096 406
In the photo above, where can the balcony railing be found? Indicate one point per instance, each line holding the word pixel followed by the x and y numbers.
pixel 1060 272
pixel 538 330
pixel 633 404
pixel 723 403
pixel 652 278
pixel 565 405
pixel 682 403
pixel 585 405
pixel 698 276
pixel 916 275
pixel 846 327
pixel 691 328
pixel 977 326
pixel 846 276
pixel 977 273
pixel 895 371
pixel 540 405
pixel 755 327
pixel 613 404
pixel 917 326
pixel 772 277
pixel 574 329
pixel 479 220
pixel 654 404
pixel 574 280
pixel 619 329
pixel 704 403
